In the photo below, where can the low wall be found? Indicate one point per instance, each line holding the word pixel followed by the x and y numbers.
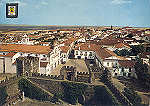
pixel 89 95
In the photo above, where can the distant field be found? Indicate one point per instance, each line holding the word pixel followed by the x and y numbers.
pixel 6 28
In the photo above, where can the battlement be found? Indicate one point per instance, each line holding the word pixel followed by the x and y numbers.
pixel 56 77
pixel 83 73
pixel 68 68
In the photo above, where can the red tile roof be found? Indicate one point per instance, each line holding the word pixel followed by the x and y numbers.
pixel 87 47
pixel 64 49
pixel 104 53
pixel 11 54
pixel 109 42
pixel 25 48
pixel 126 63
pixel 121 45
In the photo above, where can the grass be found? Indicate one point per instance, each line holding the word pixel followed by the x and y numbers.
pixel 31 102
pixel 118 84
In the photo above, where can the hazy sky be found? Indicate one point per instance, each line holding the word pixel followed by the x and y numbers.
pixel 80 12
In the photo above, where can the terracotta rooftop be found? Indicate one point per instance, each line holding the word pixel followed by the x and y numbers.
pixel 11 54
pixel 144 54
pixel 25 48
pixel 69 41
pixel 104 53
pixel 87 47
pixel 121 45
pixel 64 49
pixel 109 42
pixel 126 63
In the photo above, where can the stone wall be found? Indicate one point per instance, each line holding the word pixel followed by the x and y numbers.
pixel 55 87
pixel 6 65
pixel 27 65
pixel 83 77
pixel 38 75
pixel 8 81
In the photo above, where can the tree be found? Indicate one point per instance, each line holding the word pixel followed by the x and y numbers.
pixel 137 49
pixel 142 73
pixel 132 96
pixel 130 35
pixel 122 52
pixel 3 95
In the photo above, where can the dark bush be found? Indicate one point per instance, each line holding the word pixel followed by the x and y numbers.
pixel 102 97
pixel 3 95
pixel 33 91
pixel 72 91
pixel 132 96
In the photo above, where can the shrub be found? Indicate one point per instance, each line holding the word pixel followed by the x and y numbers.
pixel 72 91
pixel 133 97
pixel 3 95
pixel 33 91
pixel 102 97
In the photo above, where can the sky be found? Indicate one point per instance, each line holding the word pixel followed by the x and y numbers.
pixel 79 12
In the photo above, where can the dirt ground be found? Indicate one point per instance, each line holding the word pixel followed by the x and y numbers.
pixel 80 64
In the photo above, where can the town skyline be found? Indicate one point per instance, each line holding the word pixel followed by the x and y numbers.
pixel 86 13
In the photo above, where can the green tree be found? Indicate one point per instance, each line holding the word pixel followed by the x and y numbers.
pixel 132 96
pixel 33 91
pixel 72 91
pixel 137 49
pixel 3 95
pixel 142 73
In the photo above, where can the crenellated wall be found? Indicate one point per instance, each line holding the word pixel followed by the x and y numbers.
pixel 56 77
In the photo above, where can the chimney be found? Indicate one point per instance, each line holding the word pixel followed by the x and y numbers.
pixel 79 48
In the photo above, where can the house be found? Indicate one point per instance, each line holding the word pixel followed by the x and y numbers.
pixel 85 51
pixel 55 57
pixel 146 37
pixel 29 55
pixel 65 50
pixel 6 63
pixel 44 68
pixel 124 68
pixel 145 57
pixel 25 40
pixel 107 58
pixel 121 46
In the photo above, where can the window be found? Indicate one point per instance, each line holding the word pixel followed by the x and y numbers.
pixel 81 53
pixel 64 55
pixel 124 74
pixel 112 64
pixel 129 74
pixel 108 64
pixel 85 54
pixel 90 54
pixel 76 52
pixel 129 69
pixel 122 69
